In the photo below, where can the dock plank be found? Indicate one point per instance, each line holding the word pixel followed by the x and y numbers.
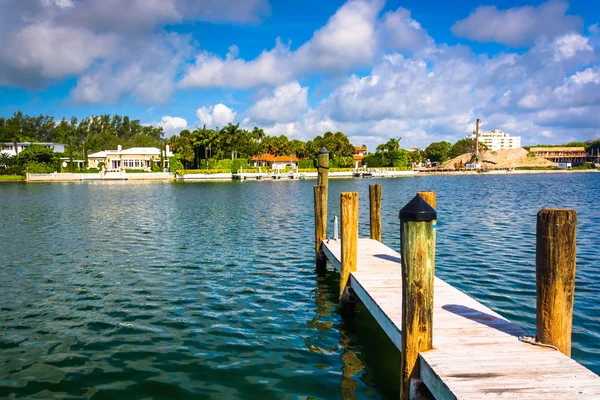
pixel 477 353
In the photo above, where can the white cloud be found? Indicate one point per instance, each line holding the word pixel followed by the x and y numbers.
pixel 568 46
pixel 218 115
pixel 347 40
pixel 285 105
pixel 107 41
pixel 517 26
pixel 147 73
pixel 438 95
pixel 53 51
pixel 400 32
pixel 172 125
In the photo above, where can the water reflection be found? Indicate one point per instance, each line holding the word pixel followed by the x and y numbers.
pixel 368 357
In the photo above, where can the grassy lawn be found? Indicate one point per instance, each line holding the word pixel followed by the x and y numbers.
pixel 10 178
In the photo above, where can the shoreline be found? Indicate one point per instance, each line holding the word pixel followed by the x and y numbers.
pixel 68 177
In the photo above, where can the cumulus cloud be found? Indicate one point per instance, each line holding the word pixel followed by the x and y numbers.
pixel 285 105
pixel 172 125
pixel 400 32
pixel 438 95
pixel 46 52
pixel 106 42
pixel 348 39
pixel 218 115
pixel 517 26
pixel 146 73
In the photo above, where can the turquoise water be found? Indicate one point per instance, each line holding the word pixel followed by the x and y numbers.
pixel 208 290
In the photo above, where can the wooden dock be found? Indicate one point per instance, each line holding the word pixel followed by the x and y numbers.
pixel 476 352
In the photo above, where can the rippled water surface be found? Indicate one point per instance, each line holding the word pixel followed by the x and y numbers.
pixel 171 290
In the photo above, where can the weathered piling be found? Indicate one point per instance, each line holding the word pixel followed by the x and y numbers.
pixel 417 239
pixel 555 276
pixel 375 211
pixel 323 167
pixel 321 197
pixel 429 197
pixel 349 241
pixel 320 216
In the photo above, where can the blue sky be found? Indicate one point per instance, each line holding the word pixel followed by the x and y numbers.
pixel 423 71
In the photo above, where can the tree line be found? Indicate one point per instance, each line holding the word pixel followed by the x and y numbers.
pixel 202 147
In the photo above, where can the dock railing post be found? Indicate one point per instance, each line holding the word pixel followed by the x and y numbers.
pixel 349 241
pixel 375 211
pixel 429 197
pixel 555 276
pixel 417 239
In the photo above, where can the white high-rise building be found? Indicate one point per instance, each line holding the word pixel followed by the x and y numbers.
pixel 497 140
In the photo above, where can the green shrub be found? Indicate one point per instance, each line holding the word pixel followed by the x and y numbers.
pixel 174 164
pixel 344 162
pixel 340 169
pixel 585 166
pixel 239 163
pixel 89 171
pixel 135 171
pixel 307 170
pixel 183 172
pixel 222 164
pixel 306 164
pixel 11 177
pixel 33 167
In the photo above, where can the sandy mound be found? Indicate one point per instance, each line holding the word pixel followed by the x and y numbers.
pixel 509 158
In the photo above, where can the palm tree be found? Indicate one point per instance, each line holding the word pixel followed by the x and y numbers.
pixel 258 134
pixel 232 135
pixel 206 139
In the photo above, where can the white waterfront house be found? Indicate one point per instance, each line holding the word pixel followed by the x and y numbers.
pixel 9 147
pixel 133 158
pixel 497 140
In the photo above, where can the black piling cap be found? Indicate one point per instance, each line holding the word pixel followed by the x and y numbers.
pixel 323 151
pixel 418 210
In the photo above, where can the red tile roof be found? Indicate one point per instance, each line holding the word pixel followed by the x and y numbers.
pixel 264 157
pixel 286 158
pixel 273 158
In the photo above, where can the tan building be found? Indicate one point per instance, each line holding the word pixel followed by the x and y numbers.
pixel 134 158
pixel 574 155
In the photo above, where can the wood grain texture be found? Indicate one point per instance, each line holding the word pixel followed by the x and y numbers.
pixel 349 236
pixel 375 211
pixel 555 276
pixel 323 180
pixel 417 242
pixel 320 216
pixel 429 197
pixel 476 352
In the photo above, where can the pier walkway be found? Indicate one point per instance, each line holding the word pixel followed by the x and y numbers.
pixel 477 353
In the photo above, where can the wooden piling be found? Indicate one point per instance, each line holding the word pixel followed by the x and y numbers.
pixel 320 217
pixel 429 197
pixel 349 239
pixel 417 239
pixel 323 176
pixel 375 211
pixel 555 276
